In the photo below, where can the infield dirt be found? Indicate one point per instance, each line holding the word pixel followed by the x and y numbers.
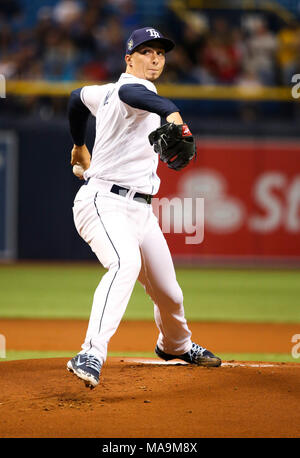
pixel 39 398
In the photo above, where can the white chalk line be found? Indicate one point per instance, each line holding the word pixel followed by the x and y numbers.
pixel 248 364
pixel 183 363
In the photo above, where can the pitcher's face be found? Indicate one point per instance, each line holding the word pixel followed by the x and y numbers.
pixel 147 61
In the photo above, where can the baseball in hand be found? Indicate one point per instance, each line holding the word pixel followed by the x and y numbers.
pixel 78 171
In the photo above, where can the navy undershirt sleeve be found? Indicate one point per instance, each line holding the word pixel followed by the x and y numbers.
pixel 138 96
pixel 78 115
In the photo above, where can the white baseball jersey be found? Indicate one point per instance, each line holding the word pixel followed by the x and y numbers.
pixel 123 232
pixel 122 153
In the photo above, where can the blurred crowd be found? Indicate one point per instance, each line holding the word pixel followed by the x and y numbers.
pixel 250 54
pixel 69 40
pixel 85 40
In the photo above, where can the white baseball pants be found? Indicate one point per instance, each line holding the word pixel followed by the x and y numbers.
pixel 126 238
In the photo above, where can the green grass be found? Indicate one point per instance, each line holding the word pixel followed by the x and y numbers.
pixel 66 291
pixel 14 355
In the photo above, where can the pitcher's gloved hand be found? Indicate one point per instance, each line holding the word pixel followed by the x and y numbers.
pixel 175 145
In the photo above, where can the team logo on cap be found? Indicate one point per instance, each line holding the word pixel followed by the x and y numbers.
pixel 130 44
pixel 153 33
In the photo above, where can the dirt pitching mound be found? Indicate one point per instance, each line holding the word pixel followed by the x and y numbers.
pixel 136 399
pixel 141 336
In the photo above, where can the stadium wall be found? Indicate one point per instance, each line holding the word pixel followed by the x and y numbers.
pixel 250 185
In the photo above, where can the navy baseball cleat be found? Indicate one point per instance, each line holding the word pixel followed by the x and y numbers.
pixel 86 367
pixel 197 355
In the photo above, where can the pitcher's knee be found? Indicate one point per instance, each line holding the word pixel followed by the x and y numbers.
pixel 177 296
pixel 172 297
pixel 130 266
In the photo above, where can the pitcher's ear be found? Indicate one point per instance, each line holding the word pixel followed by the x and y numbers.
pixel 128 59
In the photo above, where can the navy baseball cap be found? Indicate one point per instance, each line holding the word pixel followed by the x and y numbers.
pixel 141 36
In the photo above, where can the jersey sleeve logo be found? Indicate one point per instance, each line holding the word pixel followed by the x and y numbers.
pixel 108 95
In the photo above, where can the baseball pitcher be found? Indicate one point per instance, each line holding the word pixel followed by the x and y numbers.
pixel 112 209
